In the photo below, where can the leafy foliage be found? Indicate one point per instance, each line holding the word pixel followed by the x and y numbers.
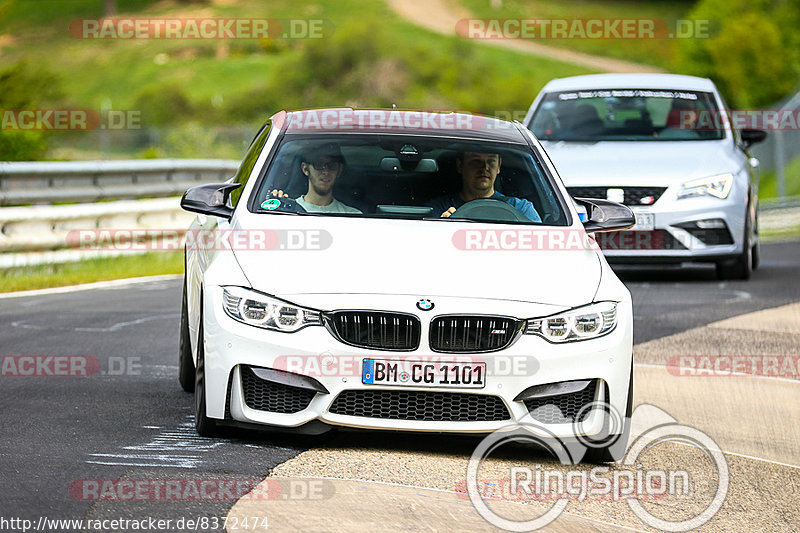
pixel 364 65
pixel 753 52
pixel 161 105
pixel 23 87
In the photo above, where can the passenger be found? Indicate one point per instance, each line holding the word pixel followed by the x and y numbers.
pixel 322 165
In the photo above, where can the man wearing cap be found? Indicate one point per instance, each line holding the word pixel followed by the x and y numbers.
pixel 479 171
pixel 322 165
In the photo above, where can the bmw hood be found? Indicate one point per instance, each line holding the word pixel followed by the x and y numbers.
pixel 318 255
pixel 643 163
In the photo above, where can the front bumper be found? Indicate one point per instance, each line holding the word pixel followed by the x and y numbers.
pixel 313 351
pixel 673 239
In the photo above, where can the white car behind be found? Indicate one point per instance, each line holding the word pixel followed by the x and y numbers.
pixel 662 144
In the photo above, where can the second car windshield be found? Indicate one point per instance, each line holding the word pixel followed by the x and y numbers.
pixel 627 115
pixel 414 177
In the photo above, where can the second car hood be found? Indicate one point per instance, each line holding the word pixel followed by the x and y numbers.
pixel 638 162
pixel 379 256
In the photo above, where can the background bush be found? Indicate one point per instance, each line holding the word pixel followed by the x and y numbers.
pixel 23 87
pixel 753 53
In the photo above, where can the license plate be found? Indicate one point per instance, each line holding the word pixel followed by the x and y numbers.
pixel 465 375
pixel 631 240
pixel 644 221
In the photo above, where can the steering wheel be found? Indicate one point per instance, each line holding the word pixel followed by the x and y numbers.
pixel 491 209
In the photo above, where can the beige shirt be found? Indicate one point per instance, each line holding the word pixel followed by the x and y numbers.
pixel 334 207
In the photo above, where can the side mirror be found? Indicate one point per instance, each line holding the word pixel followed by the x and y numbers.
pixel 751 136
pixel 210 199
pixel 606 216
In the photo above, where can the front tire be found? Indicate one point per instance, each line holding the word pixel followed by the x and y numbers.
pixel 756 247
pixel 186 370
pixel 741 267
pixel 205 426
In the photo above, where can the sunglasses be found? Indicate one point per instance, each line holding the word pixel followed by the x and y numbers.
pixel 330 165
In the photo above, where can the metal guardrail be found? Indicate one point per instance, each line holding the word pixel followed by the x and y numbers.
pixel 38 228
pixel 38 233
pixel 89 181
pixel 771 204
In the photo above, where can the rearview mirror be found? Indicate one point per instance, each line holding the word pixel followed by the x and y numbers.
pixel 394 164
pixel 603 215
pixel 210 199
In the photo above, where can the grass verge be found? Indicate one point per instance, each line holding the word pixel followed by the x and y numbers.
pixel 90 270
pixel 784 234
pixel 768 188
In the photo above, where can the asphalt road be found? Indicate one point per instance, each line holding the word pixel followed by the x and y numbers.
pixel 64 436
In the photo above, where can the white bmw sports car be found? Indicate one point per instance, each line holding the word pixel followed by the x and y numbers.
pixel 401 270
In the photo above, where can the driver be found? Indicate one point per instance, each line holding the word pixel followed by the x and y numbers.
pixel 322 165
pixel 479 171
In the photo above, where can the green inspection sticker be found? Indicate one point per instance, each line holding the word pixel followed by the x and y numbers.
pixel 271 204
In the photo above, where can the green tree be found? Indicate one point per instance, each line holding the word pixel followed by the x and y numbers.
pixel 164 105
pixel 23 87
pixel 752 52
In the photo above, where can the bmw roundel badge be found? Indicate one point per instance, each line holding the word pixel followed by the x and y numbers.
pixel 424 305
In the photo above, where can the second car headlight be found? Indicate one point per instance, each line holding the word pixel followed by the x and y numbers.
pixel 262 311
pixel 587 322
pixel 717 186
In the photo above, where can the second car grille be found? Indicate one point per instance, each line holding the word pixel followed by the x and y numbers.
pixel 632 195
pixel 472 333
pixel 265 395
pixel 376 329
pixel 562 409
pixel 420 405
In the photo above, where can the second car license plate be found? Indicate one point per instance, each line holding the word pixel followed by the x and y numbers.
pixel 645 221
pixel 470 375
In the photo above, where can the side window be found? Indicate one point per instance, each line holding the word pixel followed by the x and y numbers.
pixel 249 161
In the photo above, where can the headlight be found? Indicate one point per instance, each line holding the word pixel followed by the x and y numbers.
pixel 262 311
pixel 587 322
pixel 717 186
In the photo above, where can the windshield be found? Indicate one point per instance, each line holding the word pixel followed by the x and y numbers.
pixel 411 177
pixel 626 115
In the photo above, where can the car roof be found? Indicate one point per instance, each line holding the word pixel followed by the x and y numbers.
pixel 397 121
pixel 631 81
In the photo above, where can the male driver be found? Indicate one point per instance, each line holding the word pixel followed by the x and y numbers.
pixel 479 171
pixel 322 164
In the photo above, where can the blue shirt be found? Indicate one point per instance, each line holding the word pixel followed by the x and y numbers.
pixel 443 203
